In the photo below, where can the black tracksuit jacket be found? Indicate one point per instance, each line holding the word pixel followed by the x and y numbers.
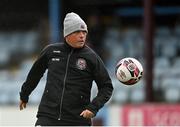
pixel 69 80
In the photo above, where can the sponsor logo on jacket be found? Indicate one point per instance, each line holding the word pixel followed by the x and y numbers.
pixel 81 63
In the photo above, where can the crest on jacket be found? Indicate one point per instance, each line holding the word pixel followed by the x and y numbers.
pixel 81 63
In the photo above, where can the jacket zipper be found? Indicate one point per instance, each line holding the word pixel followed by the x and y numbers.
pixel 64 83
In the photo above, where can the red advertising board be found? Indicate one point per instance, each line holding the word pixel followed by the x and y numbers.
pixel 151 115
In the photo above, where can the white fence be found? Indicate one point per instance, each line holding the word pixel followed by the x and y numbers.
pixel 12 116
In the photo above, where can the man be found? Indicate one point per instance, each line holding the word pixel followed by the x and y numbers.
pixel 72 67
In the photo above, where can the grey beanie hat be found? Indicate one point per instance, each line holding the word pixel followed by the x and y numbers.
pixel 72 23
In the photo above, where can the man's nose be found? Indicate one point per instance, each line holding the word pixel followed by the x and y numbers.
pixel 82 34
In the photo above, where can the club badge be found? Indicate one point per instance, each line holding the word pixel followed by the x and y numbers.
pixel 81 64
pixel 82 27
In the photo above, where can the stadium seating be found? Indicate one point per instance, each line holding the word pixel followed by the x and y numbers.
pixel 119 43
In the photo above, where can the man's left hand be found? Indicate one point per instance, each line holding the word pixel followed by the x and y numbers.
pixel 87 114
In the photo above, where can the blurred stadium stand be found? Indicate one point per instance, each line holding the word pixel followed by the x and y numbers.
pixel 122 36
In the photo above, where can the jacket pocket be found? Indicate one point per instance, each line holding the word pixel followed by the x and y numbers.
pixel 84 100
pixel 49 97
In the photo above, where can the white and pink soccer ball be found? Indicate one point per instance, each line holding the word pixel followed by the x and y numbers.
pixel 129 71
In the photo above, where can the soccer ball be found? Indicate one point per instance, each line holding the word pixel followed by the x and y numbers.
pixel 129 71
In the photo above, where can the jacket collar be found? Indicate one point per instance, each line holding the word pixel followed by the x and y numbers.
pixel 69 48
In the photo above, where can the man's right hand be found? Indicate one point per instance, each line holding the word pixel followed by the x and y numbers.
pixel 22 105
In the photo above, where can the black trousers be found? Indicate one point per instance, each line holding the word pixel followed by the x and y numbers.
pixel 47 121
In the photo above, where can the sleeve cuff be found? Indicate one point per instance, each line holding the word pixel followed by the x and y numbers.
pixel 92 108
pixel 24 98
